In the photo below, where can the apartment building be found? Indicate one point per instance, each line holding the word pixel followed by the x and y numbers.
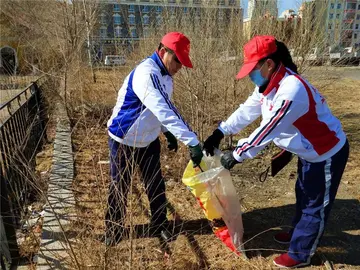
pixel 123 22
pixel 343 22
pixel 337 20
pixel 260 8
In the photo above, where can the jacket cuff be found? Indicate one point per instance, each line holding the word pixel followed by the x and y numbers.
pixel 237 157
pixel 163 129
pixel 222 127
pixel 193 142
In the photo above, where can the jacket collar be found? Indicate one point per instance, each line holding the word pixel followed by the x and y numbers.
pixel 275 79
pixel 155 56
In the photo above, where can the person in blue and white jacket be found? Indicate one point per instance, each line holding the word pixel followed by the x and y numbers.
pixel 143 110
pixel 295 116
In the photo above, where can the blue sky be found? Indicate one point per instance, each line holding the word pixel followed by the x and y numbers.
pixel 282 5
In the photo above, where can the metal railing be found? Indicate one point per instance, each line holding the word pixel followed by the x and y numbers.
pixel 22 129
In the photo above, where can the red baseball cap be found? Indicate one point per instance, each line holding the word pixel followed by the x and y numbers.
pixel 180 44
pixel 256 49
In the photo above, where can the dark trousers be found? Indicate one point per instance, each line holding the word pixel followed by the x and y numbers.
pixel 316 188
pixel 123 161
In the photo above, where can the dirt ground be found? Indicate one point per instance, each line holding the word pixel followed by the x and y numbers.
pixel 267 206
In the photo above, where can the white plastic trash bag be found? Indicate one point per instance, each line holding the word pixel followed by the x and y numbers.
pixel 212 186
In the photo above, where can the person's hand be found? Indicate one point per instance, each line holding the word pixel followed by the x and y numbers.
pixel 172 141
pixel 228 160
pixel 213 141
pixel 196 154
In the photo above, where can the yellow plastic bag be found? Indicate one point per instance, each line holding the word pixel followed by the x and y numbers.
pixel 212 186
pixel 199 189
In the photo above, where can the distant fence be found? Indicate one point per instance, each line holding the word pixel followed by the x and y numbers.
pixel 22 129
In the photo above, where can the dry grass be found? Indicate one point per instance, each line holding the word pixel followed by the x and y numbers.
pixel 204 95
pixel 266 206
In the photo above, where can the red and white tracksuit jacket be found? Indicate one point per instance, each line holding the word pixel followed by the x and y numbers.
pixel 294 116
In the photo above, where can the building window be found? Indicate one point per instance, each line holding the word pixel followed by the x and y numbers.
pixel 158 20
pixel 221 15
pixel 117 19
pixel 232 2
pixel 146 20
pixel 117 32
pixel 197 11
pixel 103 32
pixel 146 32
pixel 185 10
pixel 197 2
pixel 329 26
pixel 116 7
pixel 337 16
pixel 221 2
pixel 351 6
pixel 172 10
pixel 158 9
pixel 358 7
pixel 331 16
pixel 356 26
pixel 339 6
pixel 103 18
pixel 131 8
pixel 350 16
pixel 197 19
pixel 172 1
pixel 146 9
pixel 131 19
pixel 355 36
pixel 358 17
pixel 133 32
pixel 332 5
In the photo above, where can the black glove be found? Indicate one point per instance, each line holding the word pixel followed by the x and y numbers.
pixel 213 141
pixel 196 154
pixel 172 141
pixel 228 160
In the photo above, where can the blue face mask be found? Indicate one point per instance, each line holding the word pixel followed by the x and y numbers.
pixel 257 78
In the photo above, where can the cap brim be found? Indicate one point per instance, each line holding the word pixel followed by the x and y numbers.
pixel 184 59
pixel 246 69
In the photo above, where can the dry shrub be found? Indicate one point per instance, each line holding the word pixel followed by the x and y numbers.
pixel 204 95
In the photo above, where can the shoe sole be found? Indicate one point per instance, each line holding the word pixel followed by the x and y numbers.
pixel 281 242
pixel 291 267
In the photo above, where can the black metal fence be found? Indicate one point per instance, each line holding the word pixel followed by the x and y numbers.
pixel 22 129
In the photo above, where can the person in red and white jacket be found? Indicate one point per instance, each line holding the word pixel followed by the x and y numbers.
pixel 296 117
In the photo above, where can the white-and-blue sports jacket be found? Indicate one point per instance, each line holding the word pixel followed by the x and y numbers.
pixel 144 108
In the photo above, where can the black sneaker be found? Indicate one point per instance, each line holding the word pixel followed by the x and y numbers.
pixel 166 235
pixel 163 231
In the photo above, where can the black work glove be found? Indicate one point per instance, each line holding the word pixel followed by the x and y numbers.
pixel 196 154
pixel 228 160
pixel 172 141
pixel 213 141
